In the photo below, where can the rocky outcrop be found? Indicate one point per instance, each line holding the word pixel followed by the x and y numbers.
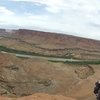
pixel 84 72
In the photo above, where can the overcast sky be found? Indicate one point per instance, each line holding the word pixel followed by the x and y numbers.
pixel 75 17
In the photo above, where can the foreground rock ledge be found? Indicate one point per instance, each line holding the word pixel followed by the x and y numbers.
pixel 39 96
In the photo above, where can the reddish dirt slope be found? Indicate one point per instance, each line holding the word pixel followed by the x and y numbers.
pixel 39 97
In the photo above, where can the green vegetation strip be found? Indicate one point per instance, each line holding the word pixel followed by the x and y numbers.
pixel 11 50
pixel 83 62
pixel 78 62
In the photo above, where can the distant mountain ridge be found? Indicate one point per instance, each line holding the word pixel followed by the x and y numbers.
pixel 51 44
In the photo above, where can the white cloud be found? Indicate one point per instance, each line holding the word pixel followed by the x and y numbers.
pixel 53 6
pixel 27 20
pixel 4 10
pixel 86 6
pixel 36 17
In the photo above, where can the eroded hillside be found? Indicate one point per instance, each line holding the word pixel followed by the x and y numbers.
pixel 24 76
pixel 39 62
